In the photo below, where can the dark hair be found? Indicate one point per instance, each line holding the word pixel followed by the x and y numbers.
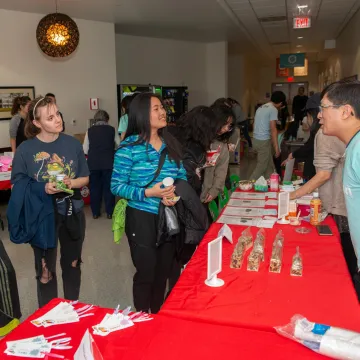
pixel 139 124
pixel 278 97
pixel 18 102
pixel 344 92
pixel 50 95
pixel 101 115
pixel 34 114
pixel 232 101
pixel 221 102
pixel 316 122
pixel 301 87
pixel 223 113
pixel 199 125
pixel 126 102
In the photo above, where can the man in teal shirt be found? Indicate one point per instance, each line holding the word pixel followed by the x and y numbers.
pixel 340 116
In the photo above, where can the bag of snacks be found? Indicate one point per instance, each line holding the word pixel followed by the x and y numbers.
pixel 246 238
pixel 297 264
pixel 277 253
pixel 258 252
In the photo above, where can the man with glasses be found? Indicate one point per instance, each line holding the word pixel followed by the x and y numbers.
pixel 340 117
pixel 265 133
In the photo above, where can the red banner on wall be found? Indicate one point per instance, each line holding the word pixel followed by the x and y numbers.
pixel 281 72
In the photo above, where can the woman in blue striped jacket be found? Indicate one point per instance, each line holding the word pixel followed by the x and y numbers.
pixel 134 178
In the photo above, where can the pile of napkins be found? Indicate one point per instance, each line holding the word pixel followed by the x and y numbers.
pixel 63 313
pixel 35 347
pixel 119 321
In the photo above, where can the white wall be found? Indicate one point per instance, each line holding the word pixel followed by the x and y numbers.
pixel 217 70
pixel 346 59
pixel 142 60
pixel 89 72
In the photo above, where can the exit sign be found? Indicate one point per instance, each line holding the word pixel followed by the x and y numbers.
pixel 302 22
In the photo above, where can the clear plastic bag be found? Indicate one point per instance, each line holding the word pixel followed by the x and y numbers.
pixel 277 253
pixel 237 257
pixel 297 264
pixel 258 252
pixel 246 238
pixel 244 243
pixel 330 341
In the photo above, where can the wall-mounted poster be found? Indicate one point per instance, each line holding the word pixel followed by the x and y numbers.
pixel 281 72
pixel 7 96
pixel 302 70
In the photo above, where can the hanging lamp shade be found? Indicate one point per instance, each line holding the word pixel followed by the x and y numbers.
pixel 57 35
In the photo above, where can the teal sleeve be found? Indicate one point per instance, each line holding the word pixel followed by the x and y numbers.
pixel 123 124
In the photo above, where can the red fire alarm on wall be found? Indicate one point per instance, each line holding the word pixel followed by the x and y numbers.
pixel 94 104
pixel 290 79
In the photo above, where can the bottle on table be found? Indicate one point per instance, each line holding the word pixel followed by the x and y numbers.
pixel 274 182
pixel 315 209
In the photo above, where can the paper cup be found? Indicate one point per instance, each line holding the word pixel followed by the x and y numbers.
pixel 211 156
pixel 169 181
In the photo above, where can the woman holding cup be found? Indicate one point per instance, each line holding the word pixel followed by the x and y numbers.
pixel 147 156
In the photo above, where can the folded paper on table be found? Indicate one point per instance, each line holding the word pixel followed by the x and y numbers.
pixel 247 195
pixel 233 220
pixel 247 203
pixel 237 211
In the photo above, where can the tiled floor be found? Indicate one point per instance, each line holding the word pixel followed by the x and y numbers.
pixel 107 269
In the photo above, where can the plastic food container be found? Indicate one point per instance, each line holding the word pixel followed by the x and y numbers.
pixel 294 221
pixel 245 185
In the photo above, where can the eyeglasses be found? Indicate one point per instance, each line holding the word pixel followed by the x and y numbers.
pixel 322 107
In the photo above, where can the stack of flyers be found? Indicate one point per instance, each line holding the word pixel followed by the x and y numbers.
pixel 119 321
pixel 37 347
pixel 63 313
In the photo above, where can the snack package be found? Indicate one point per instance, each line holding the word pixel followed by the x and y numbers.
pixel 327 340
pixel 246 238
pixel 237 256
pixel 277 253
pixel 258 252
pixel 254 261
pixel 297 264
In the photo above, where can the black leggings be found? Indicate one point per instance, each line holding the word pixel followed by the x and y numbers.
pixel 153 263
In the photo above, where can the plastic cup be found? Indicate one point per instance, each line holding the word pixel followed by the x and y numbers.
pixel 169 181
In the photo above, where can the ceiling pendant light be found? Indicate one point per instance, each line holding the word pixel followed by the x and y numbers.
pixel 57 34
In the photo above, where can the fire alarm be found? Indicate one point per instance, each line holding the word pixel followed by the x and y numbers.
pixel 290 79
pixel 94 104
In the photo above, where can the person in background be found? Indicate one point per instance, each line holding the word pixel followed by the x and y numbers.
pixel 283 115
pixel 340 116
pixel 137 177
pixel 215 176
pixel 19 113
pixel 198 129
pixel 298 105
pixel 48 153
pixel 277 160
pixel 99 144
pixel 306 152
pixel 123 122
pixel 52 97
pixel 266 135
pixel 240 120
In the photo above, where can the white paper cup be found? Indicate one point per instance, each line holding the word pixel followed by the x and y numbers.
pixel 169 181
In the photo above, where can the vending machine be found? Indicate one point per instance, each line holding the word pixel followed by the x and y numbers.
pixel 176 101
pixel 124 90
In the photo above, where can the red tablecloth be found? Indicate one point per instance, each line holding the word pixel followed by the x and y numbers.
pixel 5 185
pixel 167 338
pixel 262 300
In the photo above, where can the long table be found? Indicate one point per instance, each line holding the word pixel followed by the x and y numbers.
pixel 262 300
pixel 166 338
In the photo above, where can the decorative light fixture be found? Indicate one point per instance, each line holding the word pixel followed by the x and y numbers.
pixel 57 34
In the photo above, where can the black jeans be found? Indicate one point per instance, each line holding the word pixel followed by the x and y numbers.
pixel 153 264
pixel 45 264
pixel 100 186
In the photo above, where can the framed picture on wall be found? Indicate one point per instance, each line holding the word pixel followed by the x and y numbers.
pixel 7 96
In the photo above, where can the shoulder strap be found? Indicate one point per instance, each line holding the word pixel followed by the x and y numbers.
pixel 160 166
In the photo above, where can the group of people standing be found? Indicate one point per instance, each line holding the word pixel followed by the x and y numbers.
pixel 332 119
